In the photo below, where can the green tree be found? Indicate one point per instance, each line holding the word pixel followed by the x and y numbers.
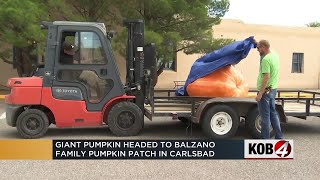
pixel 177 25
pixel 314 24
pixel 83 10
pixel 20 27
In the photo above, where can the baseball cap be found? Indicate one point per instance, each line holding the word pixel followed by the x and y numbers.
pixel 67 45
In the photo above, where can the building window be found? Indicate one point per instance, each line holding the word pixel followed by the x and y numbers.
pixel 168 64
pixel 297 63
pixel 169 59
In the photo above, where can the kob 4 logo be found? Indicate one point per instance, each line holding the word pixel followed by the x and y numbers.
pixel 268 149
pixel 283 148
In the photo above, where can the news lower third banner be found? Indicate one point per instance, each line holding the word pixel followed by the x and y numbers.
pixel 145 149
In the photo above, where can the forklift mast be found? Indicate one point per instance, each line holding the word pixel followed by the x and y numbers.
pixel 135 84
pixel 141 64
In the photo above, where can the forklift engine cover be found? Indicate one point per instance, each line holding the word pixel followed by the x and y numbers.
pixel 26 90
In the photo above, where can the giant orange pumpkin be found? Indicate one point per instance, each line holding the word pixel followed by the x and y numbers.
pixel 225 82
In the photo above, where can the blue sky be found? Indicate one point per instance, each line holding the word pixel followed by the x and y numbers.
pixel 275 12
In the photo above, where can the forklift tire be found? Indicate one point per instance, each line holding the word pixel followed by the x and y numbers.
pixel 125 119
pixel 220 122
pixel 32 123
pixel 253 124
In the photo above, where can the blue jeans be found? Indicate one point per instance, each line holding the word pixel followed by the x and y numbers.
pixel 269 115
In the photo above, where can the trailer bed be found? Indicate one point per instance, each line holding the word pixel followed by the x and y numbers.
pixel 167 104
pixel 169 109
pixel 289 108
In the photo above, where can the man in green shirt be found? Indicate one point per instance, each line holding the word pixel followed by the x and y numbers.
pixel 267 85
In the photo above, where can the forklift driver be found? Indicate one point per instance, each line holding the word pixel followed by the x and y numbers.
pixel 67 57
pixel 67 54
pixel 70 56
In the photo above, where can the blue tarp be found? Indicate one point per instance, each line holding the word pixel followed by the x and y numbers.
pixel 230 54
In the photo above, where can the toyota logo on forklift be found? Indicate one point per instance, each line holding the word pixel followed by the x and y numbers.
pixel 58 90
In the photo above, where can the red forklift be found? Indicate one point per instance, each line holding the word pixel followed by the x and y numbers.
pixel 80 86
pixel 87 91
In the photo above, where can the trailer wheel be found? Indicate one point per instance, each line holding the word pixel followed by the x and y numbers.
pixel 32 123
pixel 220 122
pixel 125 119
pixel 253 124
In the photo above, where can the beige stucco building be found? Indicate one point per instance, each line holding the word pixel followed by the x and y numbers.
pixel 285 40
pixel 298 43
pixel 6 71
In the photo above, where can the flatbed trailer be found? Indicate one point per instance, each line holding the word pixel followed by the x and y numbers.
pixel 221 117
